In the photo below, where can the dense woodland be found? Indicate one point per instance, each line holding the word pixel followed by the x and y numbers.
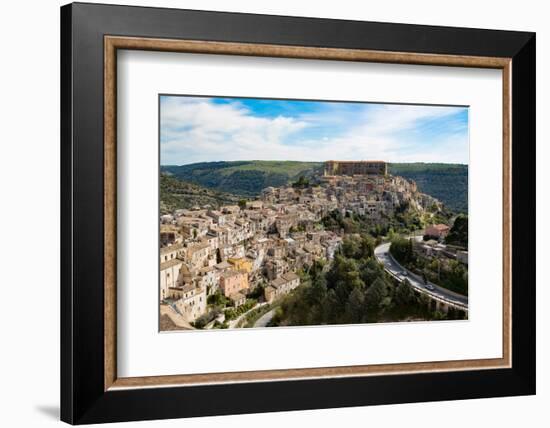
pixel 354 289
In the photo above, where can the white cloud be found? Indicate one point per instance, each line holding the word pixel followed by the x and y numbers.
pixel 379 135
pixel 220 131
pixel 196 130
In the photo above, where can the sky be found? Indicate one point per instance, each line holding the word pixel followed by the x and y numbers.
pixel 205 129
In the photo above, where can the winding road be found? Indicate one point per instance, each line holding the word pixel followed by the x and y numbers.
pixel 233 323
pixel 263 321
pixel 382 254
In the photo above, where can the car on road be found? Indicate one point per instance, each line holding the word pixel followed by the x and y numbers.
pixel 429 287
pixel 404 273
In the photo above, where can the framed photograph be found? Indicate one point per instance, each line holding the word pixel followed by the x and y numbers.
pixel 266 213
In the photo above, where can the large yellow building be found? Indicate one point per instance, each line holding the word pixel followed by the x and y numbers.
pixel 240 263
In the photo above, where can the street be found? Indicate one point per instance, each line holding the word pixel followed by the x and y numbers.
pixel 382 254
pixel 264 320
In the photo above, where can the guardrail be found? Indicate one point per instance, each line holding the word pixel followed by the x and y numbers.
pixel 441 299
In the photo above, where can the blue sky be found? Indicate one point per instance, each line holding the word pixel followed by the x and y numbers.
pixel 203 129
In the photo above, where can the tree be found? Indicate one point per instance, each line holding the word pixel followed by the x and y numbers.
pixel 370 271
pixel 424 300
pixel 433 208
pixel 345 271
pixel 329 310
pixel 375 294
pixel 348 280
pixel 458 235
pixel 366 247
pixel 350 247
pixel 242 204
pixel 350 225
pixel 333 221
pixel 402 250
pixel 301 183
pixel 438 315
pixel 401 208
pixel 424 278
pixel 358 247
pixel 452 313
pixel 355 307
pixel 455 277
pixel 217 299
pixel 316 269
pixel 317 293
pixel 404 294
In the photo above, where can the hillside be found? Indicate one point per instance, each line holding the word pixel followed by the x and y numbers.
pixel 446 182
pixel 246 178
pixel 176 194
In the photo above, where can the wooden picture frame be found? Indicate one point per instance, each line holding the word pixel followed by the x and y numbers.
pixel 91 390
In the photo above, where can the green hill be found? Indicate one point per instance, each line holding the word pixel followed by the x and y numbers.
pixel 177 194
pixel 446 182
pixel 246 178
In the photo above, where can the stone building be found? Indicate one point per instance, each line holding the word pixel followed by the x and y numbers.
pixel 171 252
pixel 169 235
pixel 233 281
pixel 241 263
pixel 281 285
pixel 190 300
pixel 237 299
pixel 209 279
pixel 197 255
pixel 234 248
pixel 169 273
pixel 334 167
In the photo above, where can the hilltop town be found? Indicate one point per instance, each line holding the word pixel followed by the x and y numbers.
pixel 257 248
